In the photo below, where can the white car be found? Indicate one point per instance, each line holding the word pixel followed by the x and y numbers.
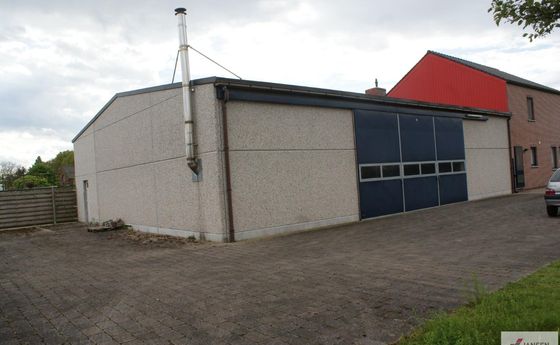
pixel 552 194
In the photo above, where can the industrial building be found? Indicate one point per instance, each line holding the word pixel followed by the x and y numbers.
pixel 226 159
pixel 535 108
pixel 273 158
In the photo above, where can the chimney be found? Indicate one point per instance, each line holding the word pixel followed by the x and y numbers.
pixel 192 162
pixel 376 91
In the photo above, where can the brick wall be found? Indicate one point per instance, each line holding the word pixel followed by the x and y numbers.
pixel 543 133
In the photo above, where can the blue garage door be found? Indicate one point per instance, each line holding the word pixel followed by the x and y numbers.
pixel 408 162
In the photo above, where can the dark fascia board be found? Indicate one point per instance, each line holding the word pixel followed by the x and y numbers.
pixel 301 95
pixel 124 94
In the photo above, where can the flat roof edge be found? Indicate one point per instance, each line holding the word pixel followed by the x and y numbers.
pixel 351 96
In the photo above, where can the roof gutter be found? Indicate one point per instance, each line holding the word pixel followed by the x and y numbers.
pixel 227 165
pixel 511 159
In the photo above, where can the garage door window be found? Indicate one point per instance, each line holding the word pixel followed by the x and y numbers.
pixel 458 166
pixel 428 168
pixel 391 171
pixel 444 167
pixel 374 172
pixel 411 169
pixel 370 172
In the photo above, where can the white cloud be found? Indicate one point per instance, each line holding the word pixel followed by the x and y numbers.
pixel 60 65
pixel 23 146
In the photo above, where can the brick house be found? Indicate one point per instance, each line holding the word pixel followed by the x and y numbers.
pixel 535 108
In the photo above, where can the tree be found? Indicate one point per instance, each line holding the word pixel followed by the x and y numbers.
pixel 9 172
pixel 542 16
pixel 7 169
pixel 64 158
pixel 60 165
pixel 30 181
pixel 44 170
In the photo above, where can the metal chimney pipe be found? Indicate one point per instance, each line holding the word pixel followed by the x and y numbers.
pixel 181 13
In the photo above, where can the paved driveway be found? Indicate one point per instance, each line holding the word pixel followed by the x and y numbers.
pixel 367 283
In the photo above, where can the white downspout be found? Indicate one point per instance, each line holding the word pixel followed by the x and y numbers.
pixel 181 13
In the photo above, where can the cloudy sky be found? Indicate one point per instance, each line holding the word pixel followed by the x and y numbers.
pixel 62 60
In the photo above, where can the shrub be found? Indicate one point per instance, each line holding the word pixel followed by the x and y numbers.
pixel 30 181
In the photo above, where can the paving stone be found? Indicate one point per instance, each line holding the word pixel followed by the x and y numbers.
pixel 121 336
pixel 12 341
pixel 102 338
pixel 364 284
pixel 92 331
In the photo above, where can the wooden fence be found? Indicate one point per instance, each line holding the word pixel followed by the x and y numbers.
pixel 39 206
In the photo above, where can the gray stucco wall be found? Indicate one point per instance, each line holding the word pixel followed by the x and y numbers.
pixel 135 155
pixel 292 168
pixel 487 158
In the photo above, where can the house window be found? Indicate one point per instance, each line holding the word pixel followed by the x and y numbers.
pixel 534 159
pixel 554 157
pixel 530 109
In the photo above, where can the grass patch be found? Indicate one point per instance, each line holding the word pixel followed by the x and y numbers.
pixel 531 304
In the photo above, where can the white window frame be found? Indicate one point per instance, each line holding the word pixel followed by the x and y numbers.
pixel 401 165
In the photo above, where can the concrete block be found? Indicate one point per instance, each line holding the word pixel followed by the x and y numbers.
pixel 212 197
pixel 121 108
pixel 277 188
pixel 176 196
pixel 264 126
pixel 488 173
pixel 129 194
pixel 207 114
pixel 486 134
pixel 124 143
pixel 84 155
pixel 168 133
